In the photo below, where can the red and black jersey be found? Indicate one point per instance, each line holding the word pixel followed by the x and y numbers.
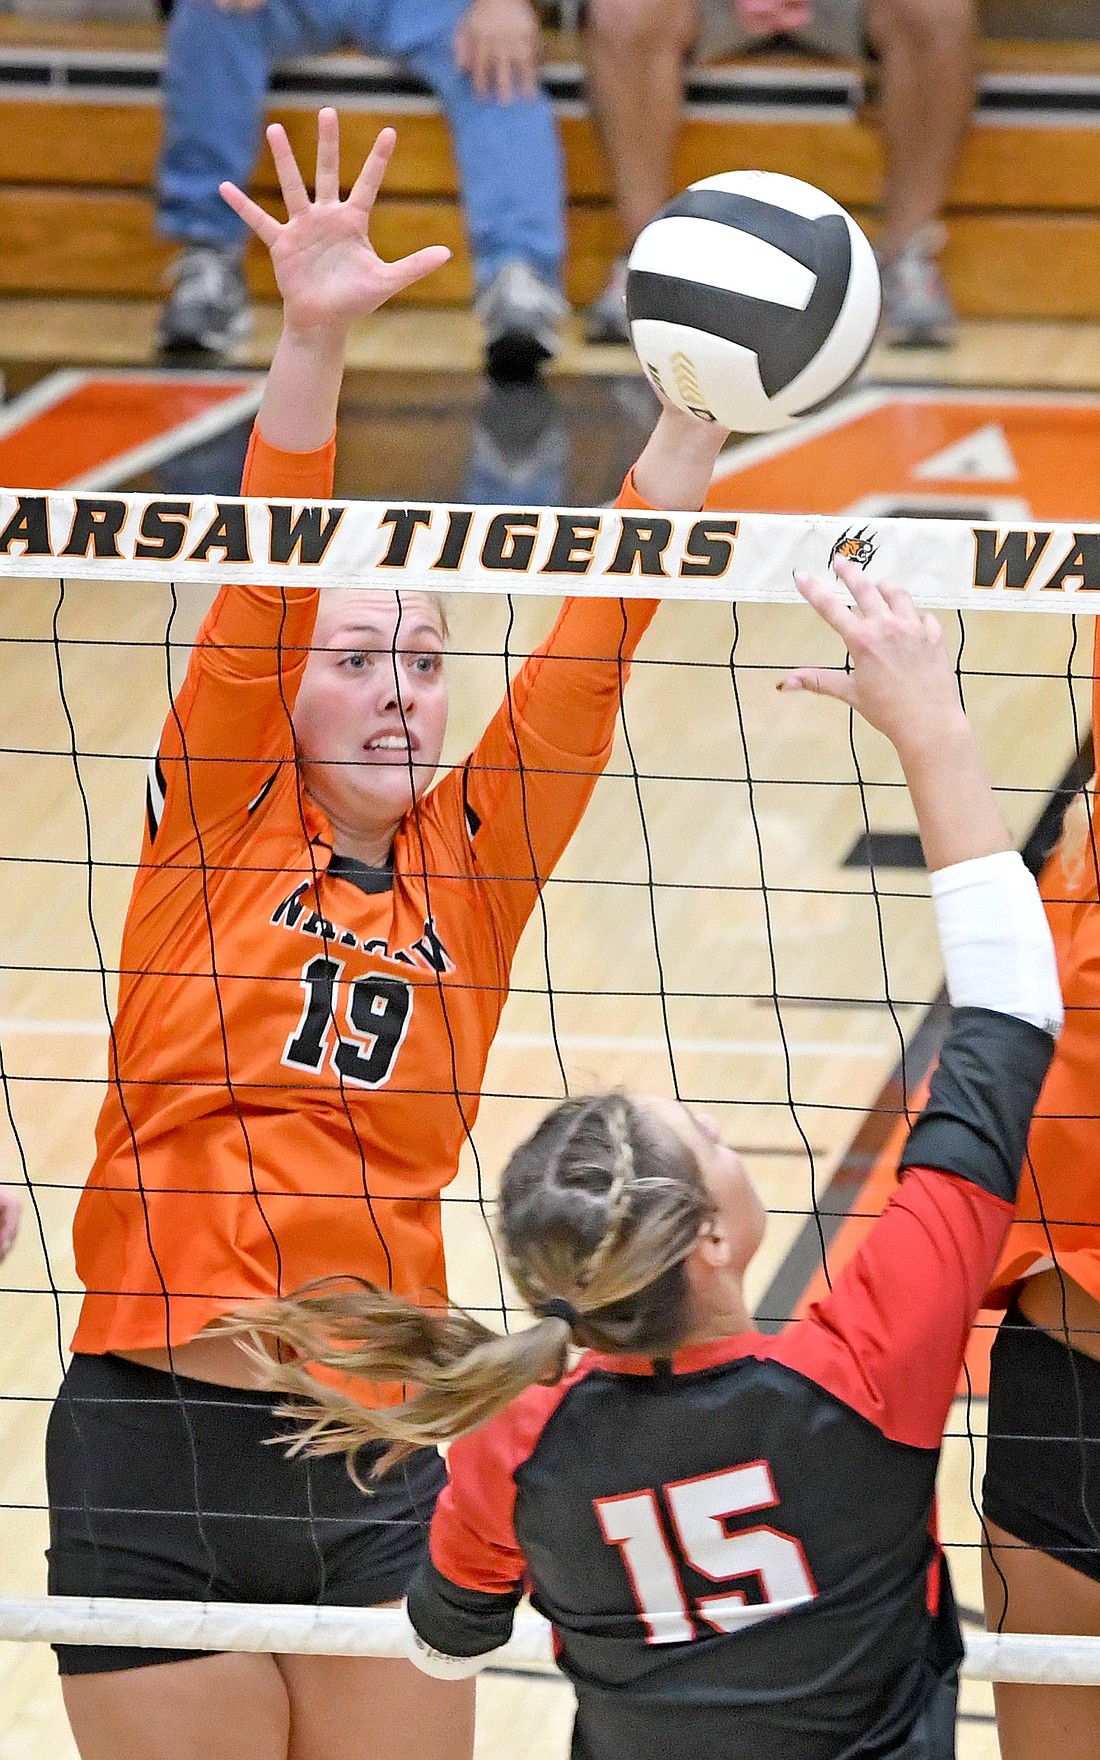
pixel 736 1547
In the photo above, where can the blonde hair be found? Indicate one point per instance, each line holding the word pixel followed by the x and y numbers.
pixel 599 1208
pixel 439 605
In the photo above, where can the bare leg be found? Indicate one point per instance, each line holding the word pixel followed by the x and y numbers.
pixel 364 1708
pixel 1043 1595
pixel 927 51
pixel 635 53
pixel 224 1707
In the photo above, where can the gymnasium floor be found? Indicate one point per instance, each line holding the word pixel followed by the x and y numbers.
pixel 660 891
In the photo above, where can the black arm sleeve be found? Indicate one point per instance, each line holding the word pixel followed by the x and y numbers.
pixel 975 1124
pixel 457 1621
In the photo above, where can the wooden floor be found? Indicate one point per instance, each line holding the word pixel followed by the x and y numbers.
pixel 662 883
pixel 112 332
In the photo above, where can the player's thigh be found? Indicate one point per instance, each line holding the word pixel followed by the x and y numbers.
pixel 219 1707
pixel 1028 1591
pixel 371 1708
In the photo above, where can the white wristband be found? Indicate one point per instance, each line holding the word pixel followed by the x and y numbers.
pixel 996 942
pixel 436 1662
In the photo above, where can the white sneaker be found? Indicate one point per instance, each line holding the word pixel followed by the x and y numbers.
pixel 916 309
pixel 207 311
pixel 520 313
pixel 606 319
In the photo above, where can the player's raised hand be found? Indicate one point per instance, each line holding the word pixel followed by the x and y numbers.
pixel 327 269
pixel 901 680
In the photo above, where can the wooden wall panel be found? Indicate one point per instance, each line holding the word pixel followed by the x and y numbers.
pixel 115 146
pixel 1024 265
pixel 63 242
pixel 79 242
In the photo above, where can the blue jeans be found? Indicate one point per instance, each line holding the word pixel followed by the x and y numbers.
pixel 217 67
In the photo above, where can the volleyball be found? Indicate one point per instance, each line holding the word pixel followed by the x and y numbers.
pixel 753 299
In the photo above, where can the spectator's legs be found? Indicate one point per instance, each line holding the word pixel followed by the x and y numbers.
pixel 216 72
pixel 927 93
pixel 509 168
pixel 635 50
pixel 510 174
pixel 216 67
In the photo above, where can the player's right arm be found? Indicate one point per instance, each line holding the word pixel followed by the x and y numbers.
pixel 890 1337
pixel 230 726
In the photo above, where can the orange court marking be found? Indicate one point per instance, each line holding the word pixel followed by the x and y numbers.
pixel 891 450
pixel 80 430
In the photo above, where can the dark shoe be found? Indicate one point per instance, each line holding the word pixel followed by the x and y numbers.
pixel 520 313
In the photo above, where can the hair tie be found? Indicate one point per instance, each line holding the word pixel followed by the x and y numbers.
pixel 557 1308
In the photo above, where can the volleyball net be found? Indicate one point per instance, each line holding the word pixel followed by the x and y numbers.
pixel 741 918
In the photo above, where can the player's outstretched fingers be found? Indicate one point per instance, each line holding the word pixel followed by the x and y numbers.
pixel 295 193
pixel 326 185
pixel 866 593
pixel 830 607
pixel 823 681
pixel 263 224
pixel 364 190
pixel 406 270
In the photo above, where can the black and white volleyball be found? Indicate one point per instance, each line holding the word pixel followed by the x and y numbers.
pixel 753 298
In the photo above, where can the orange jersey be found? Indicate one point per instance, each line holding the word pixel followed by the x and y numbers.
pixel 1059 1207
pixel 299 1044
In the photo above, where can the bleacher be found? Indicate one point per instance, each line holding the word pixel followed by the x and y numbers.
pixel 79 129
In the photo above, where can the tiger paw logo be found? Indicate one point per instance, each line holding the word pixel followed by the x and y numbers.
pixel 687 384
pixel 856 547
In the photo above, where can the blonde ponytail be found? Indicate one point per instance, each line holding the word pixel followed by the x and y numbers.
pixel 598 1211
pixel 464 1372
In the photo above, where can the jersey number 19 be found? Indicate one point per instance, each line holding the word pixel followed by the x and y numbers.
pixel 377 1009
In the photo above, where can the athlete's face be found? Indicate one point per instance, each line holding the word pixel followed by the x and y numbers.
pixel 730 1240
pixel 372 709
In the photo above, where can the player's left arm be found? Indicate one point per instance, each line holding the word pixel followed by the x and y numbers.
pixel 528 782
pixel 889 1340
pixel 462 1599
pixel 890 1336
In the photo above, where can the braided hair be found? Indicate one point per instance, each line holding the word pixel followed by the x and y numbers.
pixel 599 1209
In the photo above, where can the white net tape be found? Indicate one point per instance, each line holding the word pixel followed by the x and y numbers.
pixel 747 557
pixel 381 1631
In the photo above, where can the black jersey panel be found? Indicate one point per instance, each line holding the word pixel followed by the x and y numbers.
pixel 752 1468
pixel 983 1093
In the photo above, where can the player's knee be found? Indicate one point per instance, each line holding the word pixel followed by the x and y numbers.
pixel 633 25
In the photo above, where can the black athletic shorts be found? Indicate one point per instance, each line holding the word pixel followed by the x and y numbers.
pixel 165 1487
pixel 1042 1472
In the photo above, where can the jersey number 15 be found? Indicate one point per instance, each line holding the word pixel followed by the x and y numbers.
pixel 700 1509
